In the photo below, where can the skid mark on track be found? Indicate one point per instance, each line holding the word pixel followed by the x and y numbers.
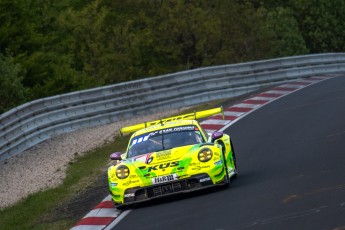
pixel 342 205
pixel 314 192
pixel 339 228
pixel 276 219
pixel 291 197
pixel 336 134
pixel 329 137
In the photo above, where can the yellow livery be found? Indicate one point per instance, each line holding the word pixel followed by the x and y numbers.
pixel 169 156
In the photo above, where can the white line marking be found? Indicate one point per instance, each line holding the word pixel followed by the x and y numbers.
pixel 103 212
pixel 319 77
pixel 88 227
pixel 118 219
pixel 307 81
pixel 286 93
pixel 246 105
pixel 232 113
pixel 107 198
pixel 214 122
pixel 209 130
pixel 278 92
pixel 260 98
pixel 292 86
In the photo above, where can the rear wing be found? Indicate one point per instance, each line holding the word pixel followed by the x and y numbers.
pixel 189 116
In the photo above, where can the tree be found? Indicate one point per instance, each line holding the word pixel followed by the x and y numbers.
pixel 12 91
pixel 244 33
pixel 321 23
pixel 288 40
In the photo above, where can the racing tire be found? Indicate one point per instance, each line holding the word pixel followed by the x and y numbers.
pixel 227 178
pixel 233 154
pixel 234 158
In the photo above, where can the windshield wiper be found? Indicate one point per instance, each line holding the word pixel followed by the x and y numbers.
pixel 163 142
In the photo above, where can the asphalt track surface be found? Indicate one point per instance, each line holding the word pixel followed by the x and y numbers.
pixel 291 161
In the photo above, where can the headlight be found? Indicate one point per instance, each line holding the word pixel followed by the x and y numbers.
pixel 122 172
pixel 205 155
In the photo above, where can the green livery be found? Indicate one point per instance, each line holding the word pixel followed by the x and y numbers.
pixel 170 157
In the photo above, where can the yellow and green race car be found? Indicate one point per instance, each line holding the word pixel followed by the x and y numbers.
pixel 169 156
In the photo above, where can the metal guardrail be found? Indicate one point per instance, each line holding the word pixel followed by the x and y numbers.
pixel 36 121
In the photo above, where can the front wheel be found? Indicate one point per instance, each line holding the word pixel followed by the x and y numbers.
pixel 227 177
pixel 233 155
pixel 234 159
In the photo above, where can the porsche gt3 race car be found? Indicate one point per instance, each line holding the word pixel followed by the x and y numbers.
pixel 168 156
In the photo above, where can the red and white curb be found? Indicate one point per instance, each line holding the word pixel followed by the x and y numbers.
pixel 237 111
pixel 106 216
pixel 99 217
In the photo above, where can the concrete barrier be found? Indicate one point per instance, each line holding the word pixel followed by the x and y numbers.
pixel 36 121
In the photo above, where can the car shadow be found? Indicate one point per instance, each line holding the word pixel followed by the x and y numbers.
pixel 241 180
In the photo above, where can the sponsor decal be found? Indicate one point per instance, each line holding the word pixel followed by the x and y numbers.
pixel 163 155
pixel 130 182
pixel 194 164
pixel 149 158
pixel 176 129
pixel 218 162
pixel 112 175
pixel 140 139
pixel 216 159
pixel 129 195
pixel 163 179
pixel 133 176
pixel 204 179
pixel 113 184
pixel 201 167
pixel 170 130
pixel 141 158
pixel 160 166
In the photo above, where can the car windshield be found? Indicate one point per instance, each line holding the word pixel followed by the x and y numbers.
pixel 164 139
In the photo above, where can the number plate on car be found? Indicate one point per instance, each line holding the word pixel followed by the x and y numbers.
pixel 163 179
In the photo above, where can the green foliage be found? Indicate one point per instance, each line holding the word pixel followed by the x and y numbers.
pixel 288 40
pixel 244 36
pixel 321 23
pixel 63 46
pixel 12 91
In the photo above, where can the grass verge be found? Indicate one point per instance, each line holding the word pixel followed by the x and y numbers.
pixel 36 211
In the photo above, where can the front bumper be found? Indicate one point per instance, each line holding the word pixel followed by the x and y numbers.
pixel 140 194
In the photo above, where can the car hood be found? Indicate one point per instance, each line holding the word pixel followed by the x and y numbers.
pixel 163 156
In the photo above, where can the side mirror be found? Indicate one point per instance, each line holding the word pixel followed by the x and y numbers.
pixel 216 136
pixel 116 156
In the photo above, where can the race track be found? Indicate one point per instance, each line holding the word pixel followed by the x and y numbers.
pixel 291 158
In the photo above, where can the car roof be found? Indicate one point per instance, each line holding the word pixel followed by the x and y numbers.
pixel 170 124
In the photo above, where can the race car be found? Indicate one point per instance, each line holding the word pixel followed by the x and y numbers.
pixel 169 156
